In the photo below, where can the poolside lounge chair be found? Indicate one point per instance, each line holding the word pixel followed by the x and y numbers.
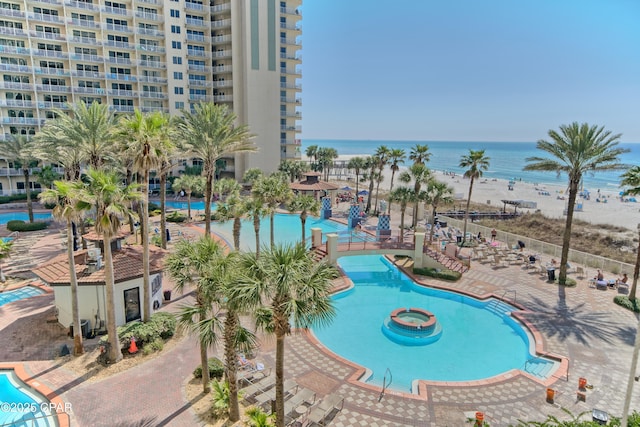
pixel 320 413
pixel 258 387
pixel 290 387
pixel 580 273
pixel 304 395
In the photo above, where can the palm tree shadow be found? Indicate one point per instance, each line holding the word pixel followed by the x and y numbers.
pixel 577 323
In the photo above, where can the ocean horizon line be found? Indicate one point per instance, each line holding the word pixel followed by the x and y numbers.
pixel 434 140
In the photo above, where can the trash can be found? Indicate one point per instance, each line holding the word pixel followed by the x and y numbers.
pixel 84 328
pixel 551 273
pixel 600 417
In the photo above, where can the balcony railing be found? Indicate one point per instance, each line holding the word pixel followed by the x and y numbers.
pixel 222 69
pixel 82 5
pixel 45 17
pixel 92 74
pixel 152 79
pixel 52 71
pixel 200 83
pixel 121 45
pixel 115 11
pixel 204 98
pixel 15 85
pixel 48 1
pixel 118 76
pixel 220 8
pixel 223 98
pixel 226 53
pixel 221 23
pixel 221 39
pixel 290 11
pixel 151 48
pixel 156 95
pixel 53 88
pixel 146 109
pixel 195 22
pixel 48 36
pixel 194 67
pixel 195 37
pixel 12 13
pixel 50 53
pixel 123 108
pixel 291 56
pixel 152 64
pixel 17 103
pixel 290 142
pixel 288 128
pixel 14 49
pixel 125 93
pixel 13 31
pixel 50 104
pixel 82 57
pixel 118 60
pixel 22 121
pixel 119 28
pixel 85 40
pixel 15 68
pixel 83 23
pixel 149 16
pixel 293 114
pixel 90 90
pixel 290 26
pixel 285 85
pixel 286 41
pixel 193 6
pixel 291 100
pixel 150 32
pixel 200 53
pixel 291 71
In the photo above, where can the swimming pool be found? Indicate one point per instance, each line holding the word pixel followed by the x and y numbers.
pixel 288 229
pixel 18 294
pixel 195 206
pixel 478 340
pixel 24 216
pixel 26 406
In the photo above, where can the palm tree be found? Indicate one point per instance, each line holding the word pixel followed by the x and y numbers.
pixel 437 193
pixel 226 186
pixel 284 287
pixel 382 156
pixel 5 252
pixel 252 175
pixel 211 134
pixel 372 176
pixel 396 157
pixel 304 204
pixel 476 163
pixel 420 154
pixel 577 148
pixel 148 136
pixel 293 169
pixel 68 208
pixel 111 200
pixel 357 164
pixel 18 148
pixel 189 183
pixel 420 175
pixel 312 153
pixel 631 178
pixel 404 196
pixel 326 156
pixel 273 190
pixel 205 264
pixel 256 211
pixel 233 208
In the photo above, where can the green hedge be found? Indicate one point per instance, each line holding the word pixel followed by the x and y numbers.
pixel 161 326
pixel 624 301
pixel 19 225
pixel 18 198
pixel 449 275
pixel 216 369
pixel 176 217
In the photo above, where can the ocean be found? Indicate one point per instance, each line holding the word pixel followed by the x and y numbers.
pixel 506 159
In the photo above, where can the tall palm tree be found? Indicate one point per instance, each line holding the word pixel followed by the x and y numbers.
pixel 372 176
pixel 211 133
pixel 358 165
pixel 226 186
pixel 420 154
pixel 19 149
pixel 631 178
pixel 190 184
pixel 273 190
pixel 382 155
pixel 256 211
pixel 204 264
pixel 234 208
pixel 403 196
pixel 326 156
pixel 68 208
pixel 293 169
pixel 577 149
pixel 420 175
pixel 306 205
pixel 396 157
pixel 285 288
pixel 111 199
pixel 475 163
pixel 437 193
pixel 148 136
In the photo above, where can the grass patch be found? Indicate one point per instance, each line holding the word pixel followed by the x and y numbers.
pixel 448 275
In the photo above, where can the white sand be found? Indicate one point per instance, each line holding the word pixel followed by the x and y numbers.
pixel 624 214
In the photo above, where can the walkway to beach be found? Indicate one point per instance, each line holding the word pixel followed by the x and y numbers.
pixel 581 323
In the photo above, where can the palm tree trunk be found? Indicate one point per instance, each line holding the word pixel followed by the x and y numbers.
pixel 636 273
pixel 303 220
pixel 371 182
pixel 375 208
pixel 393 172
pixel 402 210
pixel 566 237
pixel 163 215
pixel 146 288
pixel 115 355
pixel 466 213
pixel 256 229
pixel 357 183
pixel 204 358
pixel 280 378
pixel 236 233
pixel 416 191
pixel 132 229
pixel 207 203
pixel 433 223
pixel 271 227
pixel 230 328
pixel 27 190
pixel 78 348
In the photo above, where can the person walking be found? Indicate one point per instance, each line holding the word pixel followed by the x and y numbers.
pixel 494 233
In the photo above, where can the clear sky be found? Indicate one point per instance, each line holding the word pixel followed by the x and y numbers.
pixel 468 70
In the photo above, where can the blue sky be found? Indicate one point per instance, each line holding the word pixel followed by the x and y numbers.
pixel 468 70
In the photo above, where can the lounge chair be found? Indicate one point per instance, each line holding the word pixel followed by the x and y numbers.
pixel 580 273
pixel 258 387
pixel 320 413
pixel 304 395
pixel 290 387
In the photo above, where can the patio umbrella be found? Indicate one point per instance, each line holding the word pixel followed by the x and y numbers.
pixel 347 188
pixel 363 193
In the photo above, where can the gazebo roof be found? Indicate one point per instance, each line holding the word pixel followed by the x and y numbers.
pixel 307 185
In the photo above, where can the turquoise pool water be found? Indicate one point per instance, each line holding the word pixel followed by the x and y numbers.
pixel 288 229
pixel 24 216
pixel 195 206
pixel 26 407
pixel 18 294
pixel 478 339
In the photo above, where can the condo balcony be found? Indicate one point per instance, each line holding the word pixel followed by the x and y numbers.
pixel 42 17
pixel 149 16
pixel 221 23
pixel 83 23
pixel 89 90
pixel 290 11
pixel 150 32
pixel 223 53
pixel 120 45
pixel 91 74
pixel 115 11
pixel 289 128
pixel 82 5
pixel 48 36
pixel 116 60
pixel 125 93
pixel 152 64
pixel 293 114
pixel 15 68
pixel 5 31
pixel 18 171
pixel 198 53
pixel 22 121
pixel 286 100
pixel 151 1
pixel 222 83
pixel 147 109
pixel 53 88
pixel 221 8
pixel 290 26
pixel 285 85
pixel 202 98
pixel 222 69
pixel 195 37
pixel 156 95
pixel 152 79
pixel 85 40
pixel 291 71
pixel 223 98
pixel 289 41
pixel 47 105
pixel 90 58
pixel 195 22
pixel 291 142
pixel 14 49
pixel 119 28
pixel 57 2
pixel 294 56
pixel 12 13
pixel 194 6
pixel 123 108
pixel 200 83
pixel 221 39
pixel 16 103
pixel 118 76
pixel 52 71
pixel 50 53
pixel 194 67
pixel 150 48
pixel 14 85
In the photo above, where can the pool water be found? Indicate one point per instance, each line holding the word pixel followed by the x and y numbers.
pixel 287 227
pixel 14 391
pixel 24 216
pixel 478 339
pixel 195 206
pixel 18 294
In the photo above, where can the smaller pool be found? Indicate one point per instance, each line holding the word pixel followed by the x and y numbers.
pixel 26 406
pixel 18 294
pixel 24 216
pixel 197 206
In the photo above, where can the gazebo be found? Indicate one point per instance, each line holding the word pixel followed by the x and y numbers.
pixel 313 186
pixel 514 203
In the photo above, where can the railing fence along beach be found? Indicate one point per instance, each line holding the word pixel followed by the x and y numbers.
pixel 537 246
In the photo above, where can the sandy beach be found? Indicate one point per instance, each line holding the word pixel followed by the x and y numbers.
pixel 549 199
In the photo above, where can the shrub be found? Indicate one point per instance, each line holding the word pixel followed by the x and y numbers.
pixel 161 326
pixel 449 275
pixel 154 207
pixel 176 217
pixel 220 398
pixel 17 198
pixel 624 301
pixel 569 283
pixel 18 225
pixel 216 369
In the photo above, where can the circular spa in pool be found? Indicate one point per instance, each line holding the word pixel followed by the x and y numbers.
pixel 412 326
pixel 471 339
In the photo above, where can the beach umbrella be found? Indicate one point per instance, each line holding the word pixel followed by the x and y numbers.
pixel 363 193
pixel 347 188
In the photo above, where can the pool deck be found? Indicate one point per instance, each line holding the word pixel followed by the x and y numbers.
pixel 581 323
